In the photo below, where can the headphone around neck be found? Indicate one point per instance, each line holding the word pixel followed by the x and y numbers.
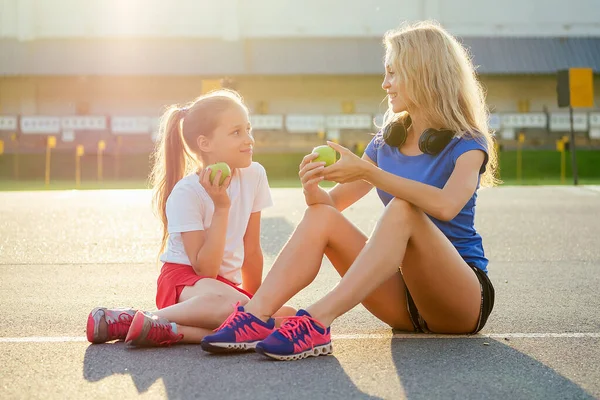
pixel 431 142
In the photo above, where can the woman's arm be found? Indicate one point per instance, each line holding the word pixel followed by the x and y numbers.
pixel 344 195
pixel 252 268
pixel 443 204
pixel 341 196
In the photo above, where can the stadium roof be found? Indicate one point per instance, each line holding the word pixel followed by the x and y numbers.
pixel 337 56
pixel 505 55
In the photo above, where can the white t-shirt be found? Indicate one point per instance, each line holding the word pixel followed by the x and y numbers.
pixel 189 208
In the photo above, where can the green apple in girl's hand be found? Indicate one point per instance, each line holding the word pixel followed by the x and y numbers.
pixel 221 166
pixel 326 155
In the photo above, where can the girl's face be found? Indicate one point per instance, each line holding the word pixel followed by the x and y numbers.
pixel 232 141
pixel 395 88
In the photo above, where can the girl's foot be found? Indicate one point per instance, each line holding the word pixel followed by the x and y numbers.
pixel 149 330
pixel 104 324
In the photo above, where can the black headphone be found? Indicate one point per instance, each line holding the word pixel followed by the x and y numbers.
pixel 431 142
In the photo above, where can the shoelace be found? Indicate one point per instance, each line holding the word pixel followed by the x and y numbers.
pixel 118 328
pixel 232 319
pixel 295 325
pixel 159 331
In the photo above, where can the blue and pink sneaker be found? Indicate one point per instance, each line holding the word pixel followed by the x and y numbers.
pixel 240 332
pixel 299 337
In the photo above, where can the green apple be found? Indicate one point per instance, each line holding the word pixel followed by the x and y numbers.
pixel 326 154
pixel 220 166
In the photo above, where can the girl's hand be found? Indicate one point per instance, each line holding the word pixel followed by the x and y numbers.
pixel 218 193
pixel 348 168
pixel 311 173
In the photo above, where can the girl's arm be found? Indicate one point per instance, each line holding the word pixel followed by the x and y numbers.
pixel 443 204
pixel 252 268
pixel 205 248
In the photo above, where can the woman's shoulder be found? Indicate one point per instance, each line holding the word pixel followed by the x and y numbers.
pixel 474 140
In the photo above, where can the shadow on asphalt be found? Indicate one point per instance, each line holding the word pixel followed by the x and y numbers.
pixel 187 372
pixel 469 369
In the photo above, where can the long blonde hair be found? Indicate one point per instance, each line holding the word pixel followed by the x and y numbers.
pixel 441 83
pixel 176 153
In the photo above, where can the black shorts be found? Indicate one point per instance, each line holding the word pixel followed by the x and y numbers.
pixel 487 304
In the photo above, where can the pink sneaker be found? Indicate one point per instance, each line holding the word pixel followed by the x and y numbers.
pixel 104 324
pixel 299 337
pixel 149 330
pixel 240 332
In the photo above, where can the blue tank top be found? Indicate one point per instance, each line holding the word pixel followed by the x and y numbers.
pixel 435 171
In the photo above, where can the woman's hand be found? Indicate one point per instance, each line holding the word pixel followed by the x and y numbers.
pixel 218 193
pixel 311 173
pixel 348 168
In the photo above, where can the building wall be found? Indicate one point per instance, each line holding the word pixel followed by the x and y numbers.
pixel 105 95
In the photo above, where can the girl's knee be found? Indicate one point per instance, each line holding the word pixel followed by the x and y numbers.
pixel 221 301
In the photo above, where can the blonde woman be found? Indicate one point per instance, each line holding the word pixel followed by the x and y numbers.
pixel 423 268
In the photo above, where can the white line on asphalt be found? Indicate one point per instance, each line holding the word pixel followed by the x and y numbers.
pixel 43 339
pixel 63 339
pixel 479 336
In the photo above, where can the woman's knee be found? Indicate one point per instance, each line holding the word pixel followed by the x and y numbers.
pixel 320 212
pixel 400 210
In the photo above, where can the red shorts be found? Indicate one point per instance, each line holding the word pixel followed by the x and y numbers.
pixel 174 277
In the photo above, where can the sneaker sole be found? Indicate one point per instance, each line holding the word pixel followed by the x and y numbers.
pixel 228 347
pixel 322 350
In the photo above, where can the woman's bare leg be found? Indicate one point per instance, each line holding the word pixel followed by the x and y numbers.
pixel 444 288
pixel 324 230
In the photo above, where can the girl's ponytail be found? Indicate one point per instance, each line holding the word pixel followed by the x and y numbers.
pixel 171 160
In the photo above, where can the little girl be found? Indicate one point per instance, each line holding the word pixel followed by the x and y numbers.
pixel 211 227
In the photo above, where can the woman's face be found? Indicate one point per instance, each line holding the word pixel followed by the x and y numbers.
pixel 395 88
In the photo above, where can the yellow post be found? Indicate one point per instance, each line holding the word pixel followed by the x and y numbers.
pixel 560 146
pixel 520 157
pixel 15 140
pixel 1 147
pixel 50 144
pixel 118 158
pixel 78 154
pixel 360 148
pixel 101 147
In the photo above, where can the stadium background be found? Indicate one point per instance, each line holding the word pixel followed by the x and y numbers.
pixel 101 71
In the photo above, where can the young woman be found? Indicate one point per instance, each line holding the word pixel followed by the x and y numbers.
pixel 423 268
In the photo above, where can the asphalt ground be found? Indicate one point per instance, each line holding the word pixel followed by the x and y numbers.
pixel 64 252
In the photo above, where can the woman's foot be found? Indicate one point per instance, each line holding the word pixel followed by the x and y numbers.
pixel 148 330
pixel 241 331
pixel 105 324
pixel 299 337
